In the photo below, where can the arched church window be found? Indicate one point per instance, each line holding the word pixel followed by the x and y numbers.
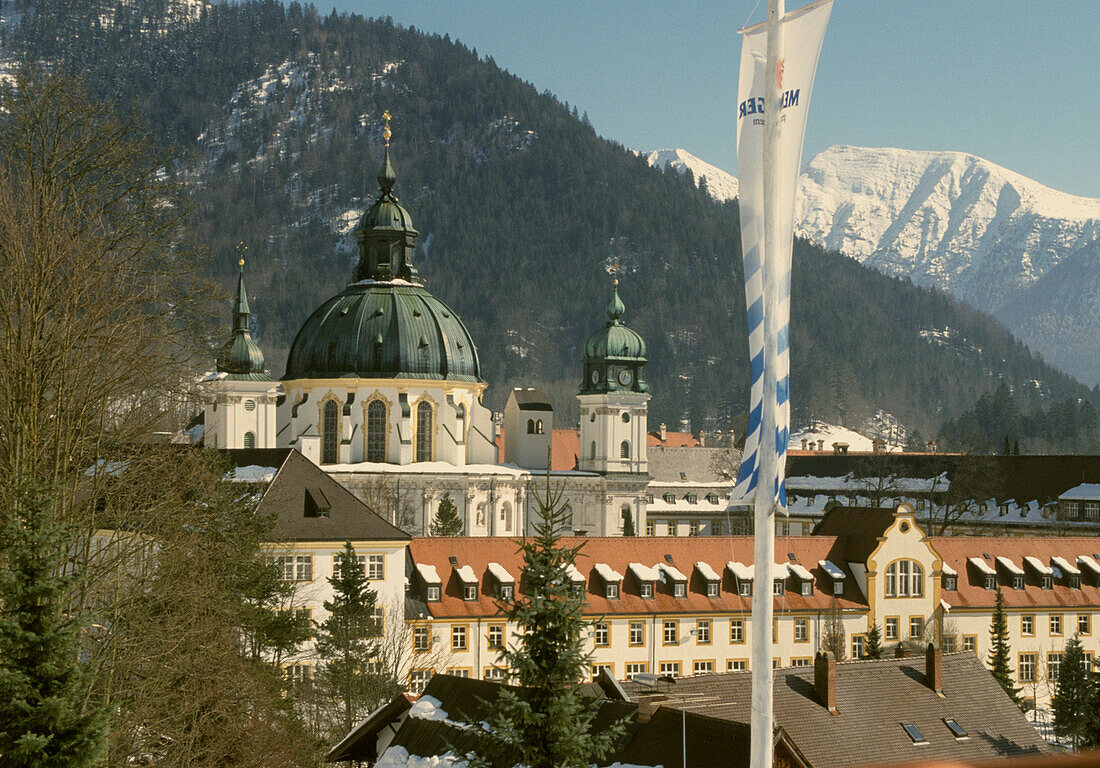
pixel 249 439
pixel 530 426
pixel 624 449
pixel 592 455
pixel 376 431
pixel 538 427
pixel 506 515
pixel 330 433
pixel 424 431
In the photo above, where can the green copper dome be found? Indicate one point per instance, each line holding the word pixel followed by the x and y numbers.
pixel 614 356
pixel 241 357
pixel 384 329
pixel 385 324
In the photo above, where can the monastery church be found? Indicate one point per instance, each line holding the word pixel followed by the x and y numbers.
pixel 383 382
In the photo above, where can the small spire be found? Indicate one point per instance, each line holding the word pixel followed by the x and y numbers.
pixel 615 307
pixel 386 175
pixel 241 355
pixel 241 310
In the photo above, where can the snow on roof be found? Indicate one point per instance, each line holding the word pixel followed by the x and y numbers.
pixel 574 574
pixel 428 708
pixel 982 566
pixel 740 571
pixel 500 573
pixel 948 570
pixel 643 572
pixel 1066 566
pixel 1089 491
pixel 253 473
pixel 466 574
pixel 1089 563
pixel 429 467
pixel 707 572
pixel 850 484
pixel 945 605
pixel 428 573
pixel 1038 565
pixel 1010 566
pixel 399 757
pixel 834 434
pixel 800 572
pixel 830 568
pixel 607 573
pixel 672 572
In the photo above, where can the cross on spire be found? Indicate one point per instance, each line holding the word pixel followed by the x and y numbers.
pixel 386 132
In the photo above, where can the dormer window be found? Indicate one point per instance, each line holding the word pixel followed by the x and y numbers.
pixel 612 592
pixel 469 582
pixel 1017 582
pixel 611 580
pixel 777 587
pixel 507 591
pixel 679 589
pixel 744 588
pixel 712 589
pixel 712 498
pixel 990 582
pixel 433 587
pixel 433 593
pixel 1075 582
pixel 645 589
pixel 469 591
pixel 670 498
pixel 692 498
pixel 1047 582
pixel 506 584
pixel 807 588
pixel 950 583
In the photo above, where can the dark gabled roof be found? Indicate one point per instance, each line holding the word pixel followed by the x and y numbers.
pixel 873 698
pixel 654 740
pixel 257 457
pixel 531 399
pixel 695 462
pixel 361 743
pixel 857 529
pixel 308 505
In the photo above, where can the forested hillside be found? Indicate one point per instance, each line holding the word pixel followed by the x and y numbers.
pixel 274 114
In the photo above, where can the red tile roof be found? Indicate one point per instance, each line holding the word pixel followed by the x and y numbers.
pixel 971 592
pixel 672 440
pixel 618 553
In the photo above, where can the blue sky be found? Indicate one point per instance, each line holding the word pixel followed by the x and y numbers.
pixel 1016 82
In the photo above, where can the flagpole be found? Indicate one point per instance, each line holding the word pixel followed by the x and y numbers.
pixel 764 499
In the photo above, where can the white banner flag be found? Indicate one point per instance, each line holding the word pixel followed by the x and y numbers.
pixel 767 231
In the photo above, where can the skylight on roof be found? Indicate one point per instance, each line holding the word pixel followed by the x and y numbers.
pixel 914 734
pixel 956 730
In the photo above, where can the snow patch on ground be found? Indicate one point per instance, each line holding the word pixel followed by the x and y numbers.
pixel 399 757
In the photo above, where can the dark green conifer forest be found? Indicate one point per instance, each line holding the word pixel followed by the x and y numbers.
pixel 272 114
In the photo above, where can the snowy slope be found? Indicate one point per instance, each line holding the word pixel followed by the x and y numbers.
pixel 830 433
pixel 721 185
pixel 1004 243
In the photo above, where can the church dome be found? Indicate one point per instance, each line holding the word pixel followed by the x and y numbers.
pixel 384 329
pixel 615 340
pixel 385 324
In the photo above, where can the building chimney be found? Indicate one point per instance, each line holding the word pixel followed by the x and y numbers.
pixel 663 432
pixel 803 443
pixel 933 668
pixel 702 439
pixel 821 445
pixel 825 680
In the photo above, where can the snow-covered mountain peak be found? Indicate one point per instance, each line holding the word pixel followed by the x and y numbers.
pixel 721 185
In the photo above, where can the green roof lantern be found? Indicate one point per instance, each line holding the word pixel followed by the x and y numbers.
pixel 384 324
pixel 614 356
pixel 241 357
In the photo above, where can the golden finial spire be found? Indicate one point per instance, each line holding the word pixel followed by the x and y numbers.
pixel 615 273
pixel 386 132
pixel 241 248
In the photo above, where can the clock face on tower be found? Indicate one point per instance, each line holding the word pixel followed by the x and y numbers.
pixel 626 377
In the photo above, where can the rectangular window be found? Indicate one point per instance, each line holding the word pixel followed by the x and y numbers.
pixel 376 567
pixel 970 643
pixel 801 661
pixel 645 589
pixel 801 630
pixel 712 589
pixel 1027 626
pixel 744 588
pixel 494 674
pixel 650 529
pixel 679 589
pixel 1017 582
pixel 807 588
pixel 635 668
pixel 703 668
pixel 858 642
pixel 433 593
pixel 737 665
pixel 458 637
pixel 1026 670
pixel 1048 582
pixel 702 632
pixel 597 668
pixel 1088 661
pixel 496 636
pixel 949 643
pixel 670 668
pixel 338 559
pixel 294 567
pixel 776 663
pixel 671 632
pixel 950 583
pixel 916 627
pixel 422 639
pixel 990 582
pixel 672 529
pixel 891 626
pixel 838 587
pixel 1071 509
pixel 1054 666
pixel 737 630
pixel 1084 624
pixel 777 587
pixel 637 633
pixel 1056 625
pixel 418 680
pixel 613 591
pixel 298 675
pixel 1092 510
pixel 693 528
pixel 459 671
pixel 469 591
pixel 602 634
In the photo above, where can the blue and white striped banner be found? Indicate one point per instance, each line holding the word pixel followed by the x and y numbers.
pixel 767 234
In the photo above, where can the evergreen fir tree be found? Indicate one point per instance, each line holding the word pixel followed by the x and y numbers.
pixel 43 721
pixel 835 638
pixel 872 646
pixel 547 722
pixel 1091 736
pixel 446 521
pixel 628 523
pixel 999 652
pixel 1073 697
pixel 347 643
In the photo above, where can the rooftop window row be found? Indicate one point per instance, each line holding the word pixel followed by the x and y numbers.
pixel 991 572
